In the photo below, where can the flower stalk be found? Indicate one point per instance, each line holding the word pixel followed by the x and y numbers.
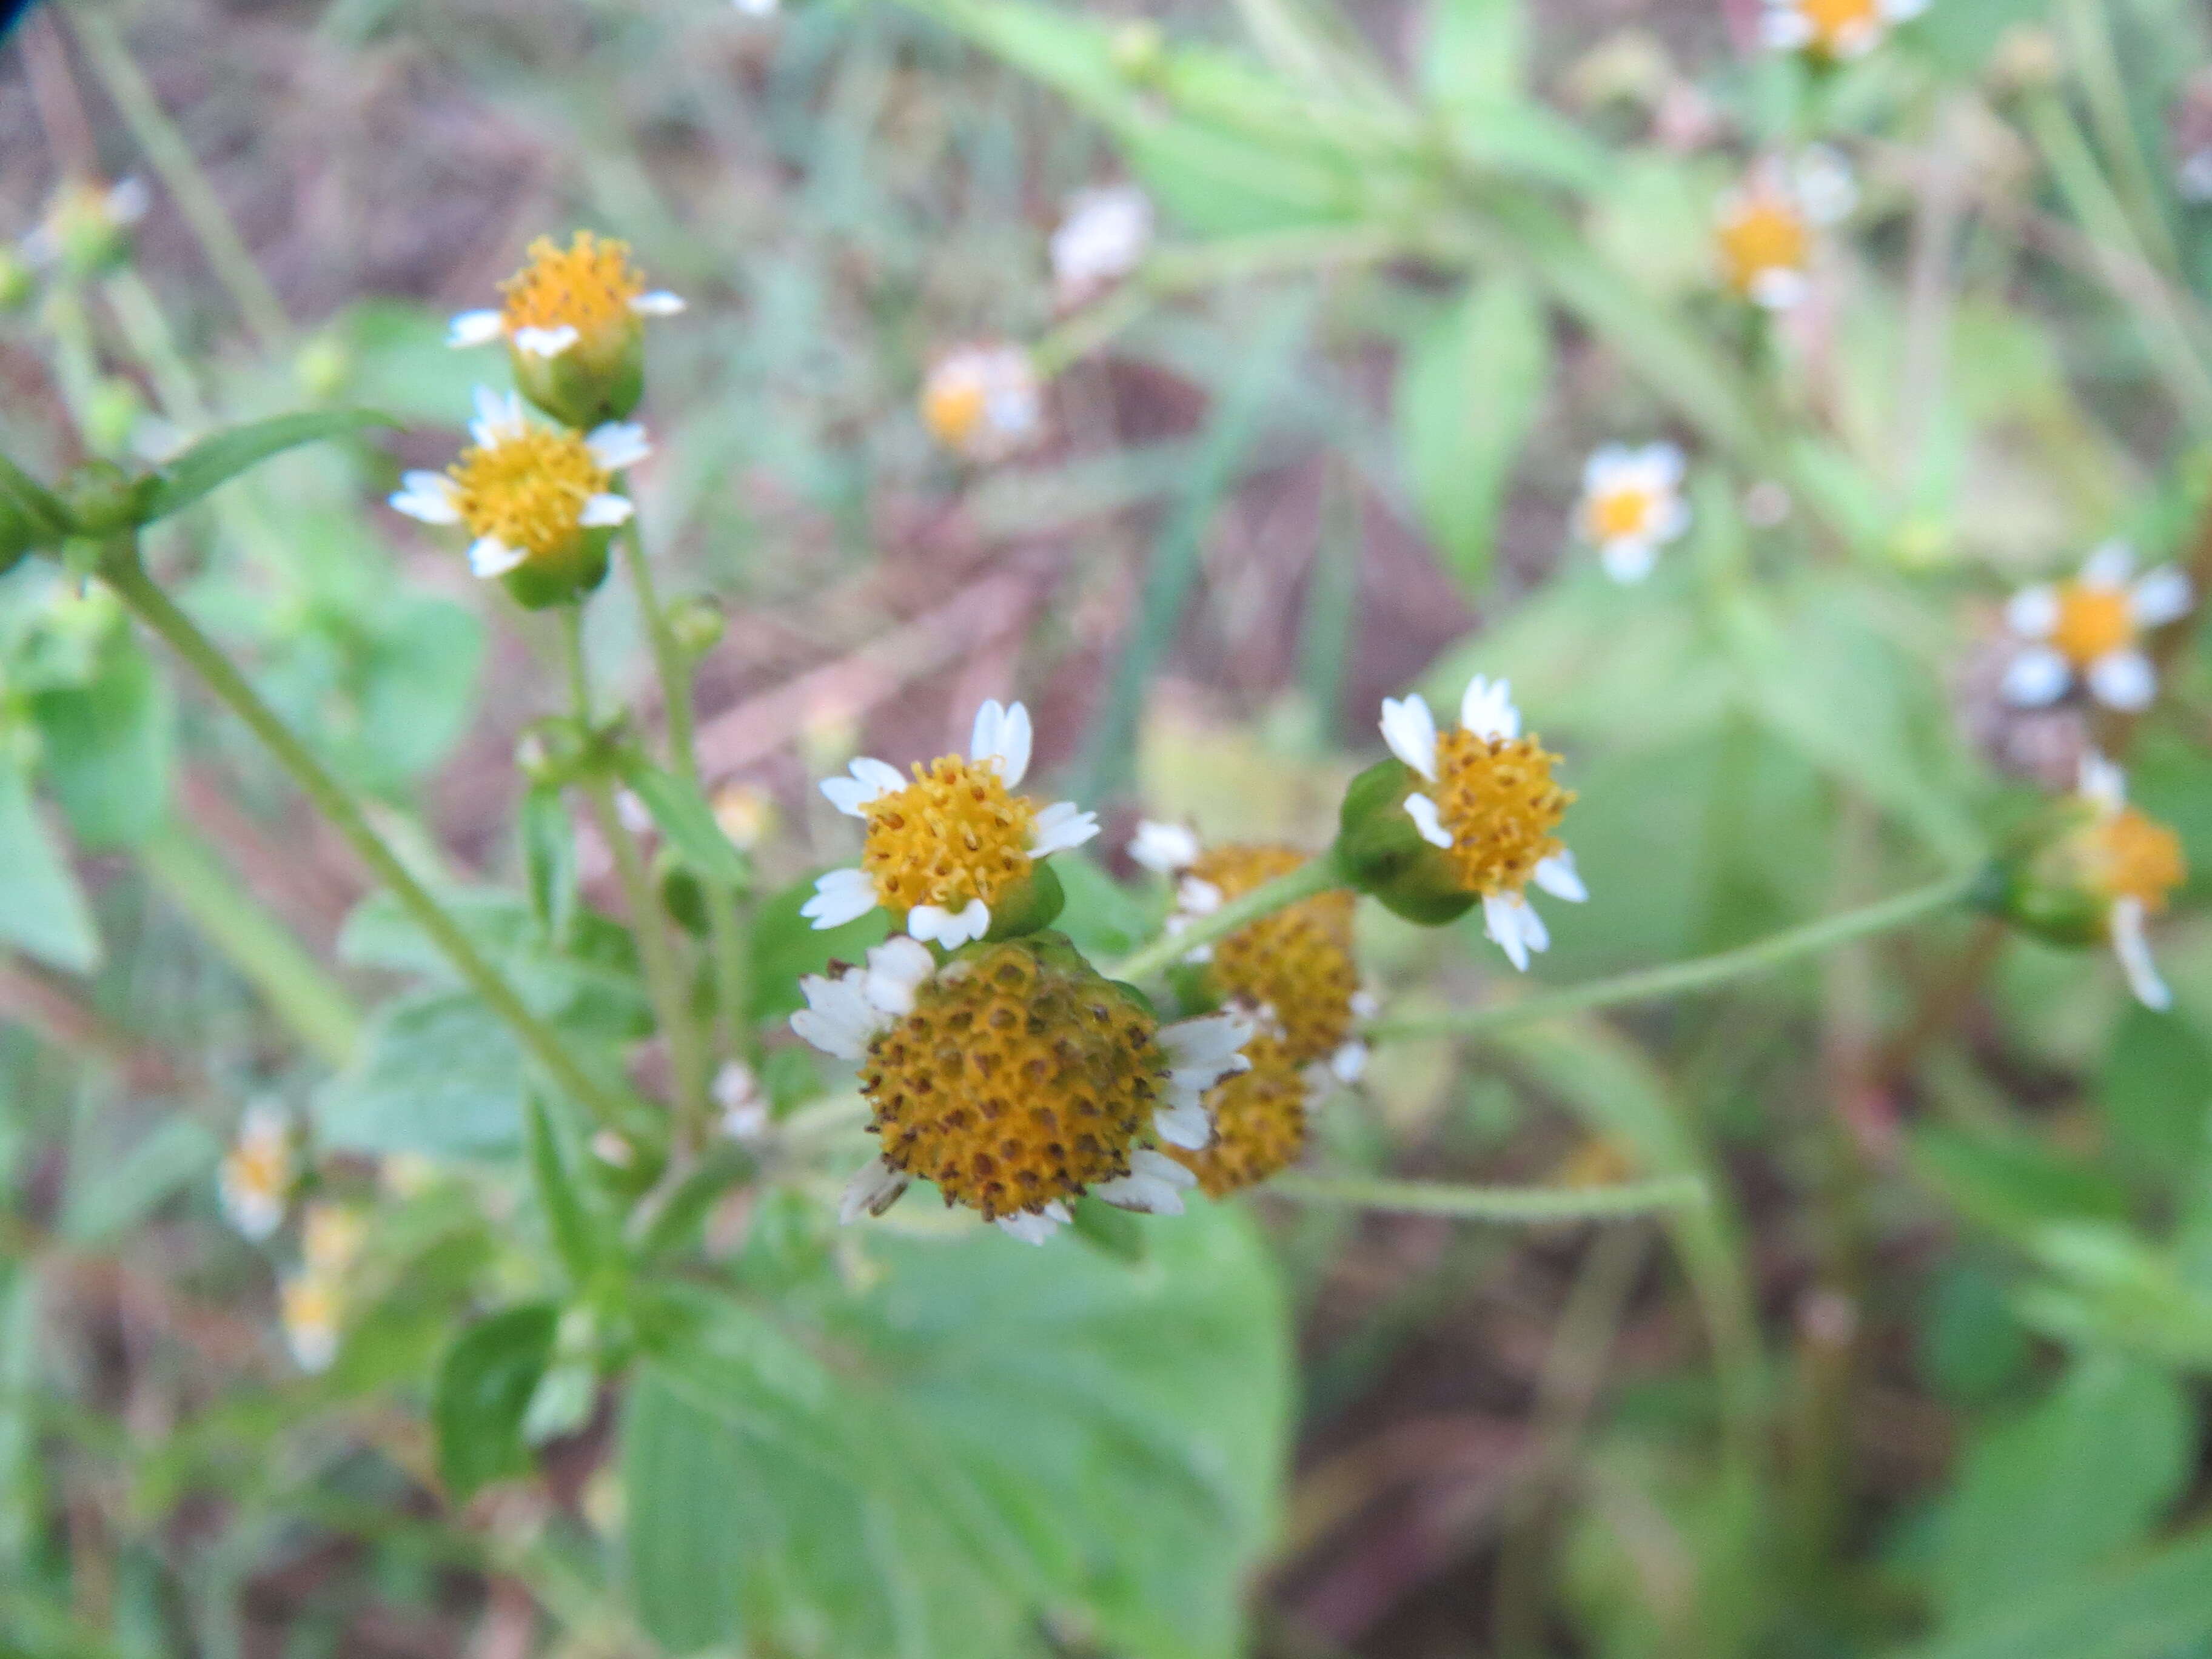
pixel 1524 1206
pixel 1700 974
pixel 126 575
pixel 1320 874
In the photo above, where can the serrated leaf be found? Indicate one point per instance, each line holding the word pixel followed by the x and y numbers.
pixel 483 1387
pixel 214 461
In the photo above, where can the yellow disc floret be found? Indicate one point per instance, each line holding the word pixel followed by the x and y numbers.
pixel 1616 514
pixel 1497 797
pixel 1259 1121
pixel 1297 963
pixel 589 285
pixel 956 833
pixel 529 490
pixel 2132 856
pixel 1765 233
pixel 1019 1079
pixel 2092 622
pixel 1838 25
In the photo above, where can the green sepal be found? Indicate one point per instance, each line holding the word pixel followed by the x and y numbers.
pixel 2040 885
pixel 583 387
pixel 1380 849
pixel 563 577
pixel 1033 904
pixel 1109 1231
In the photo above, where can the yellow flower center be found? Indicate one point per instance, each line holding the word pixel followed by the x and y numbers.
pixel 1614 514
pixel 1297 961
pixel 1258 1122
pixel 956 833
pixel 2092 622
pixel 260 1168
pixel 1497 797
pixel 528 489
pixel 953 408
pixel 310 1302
pixel 1015 1081
pixel 2133 855
pixel 1765 232
pixel 1837 24
pixel 587 286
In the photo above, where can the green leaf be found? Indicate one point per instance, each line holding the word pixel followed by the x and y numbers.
pixel 41 509
pixel 438 1074
pixel 2155 1088
pixel 214 461
pixel 990 1435
pixel 1478 52
pixel 786 947
pixel 2085 1474
pixel 483 1387
pixel 1468 392
pixel 549 861
pixel 688 822
pixel 109 746
pixel 42 909
pixel 2153 1607
pixel 578 1239
pixel 1103 918
pixel 2009 1182
pixel 113 1195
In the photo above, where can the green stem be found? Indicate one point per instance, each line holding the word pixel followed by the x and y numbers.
pixel 1702 974
pixel 226 253
pixel 1521 1204
pixel 664 977
pixel 293 983
pixel 153 607
pixel 1317 875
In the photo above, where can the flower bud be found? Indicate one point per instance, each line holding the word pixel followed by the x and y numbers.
pixel 323 367
pixel 102 498
pixel 19 284
pixel 594 381
pixel 553 752
pixel 1383 853
pixel 697 624
pixel 111 415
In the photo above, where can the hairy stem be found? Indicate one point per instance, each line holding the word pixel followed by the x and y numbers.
pixel 153 607
pixel 1520 1204
pixel 1317 875
pixel 1699 975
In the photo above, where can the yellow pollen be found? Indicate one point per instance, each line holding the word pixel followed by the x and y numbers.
pixel 1015 1081
pixel 956 833
pixel 261 1166
pixel 953 407
pixel 2092 622
pixel 1839 25
pixel 1613 514
pixel 310 1302
pixel 587 286
pixel 1258 1122
pixel 1297 961
pixel 1765 232
pixel 2133 855
pixel 528 489
pixel 1497 797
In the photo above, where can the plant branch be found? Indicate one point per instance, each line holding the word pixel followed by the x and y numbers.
pixel 1517 1205
pixel 1317 875
pixel 153 607
pixel 1699 975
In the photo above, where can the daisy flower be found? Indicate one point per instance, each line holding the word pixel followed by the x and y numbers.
pixel 1833 29
pixel 1766 226
pixel 1100 239
pixel 258 1173
pixel 2090 631
pixel 587 298
pixel 88 225
pixel 982 401
pixel 1632 505
pixel 308 1306
pixel 1293 971
pixel 1491 805
pixel 529 496
pixel 2132 863
pixel 1017 1079
pixel 945 847
pixel 1261 1117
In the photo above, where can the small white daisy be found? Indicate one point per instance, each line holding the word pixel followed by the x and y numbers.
pixel 2089 632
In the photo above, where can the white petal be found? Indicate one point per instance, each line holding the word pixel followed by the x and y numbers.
pixel 1195 897
pixel 1661 465
pixel 605 512
pixel 1558 876
pixel 546 342
pixel 658 303
pixel 2123 680
pixel 1060 826
pixel 1029 1228
pixel 1410 730
pixel 872 779
pixel 875 1187
pixel 1628 559
pixel 1674 519
pixel 2161 596
pixel 2102 782
pixel 1779 288
pixel 618 444
pixel 2133 949
pixel 490 556
pixel 1501 916
pixel 475 328
pixel 950 928
pixel 1486 710
pixel 2035 677
pixel 1349 1063
pixel 1185 1124
pixel 2110 566
pixel 839 897
pixel 2033 613
pixel 1785 29
pixel 1901 11
pixel 1606 469
pixel 838 1018
pixel 1163 848
pixel 498 418
pixel 126 202
pixel 1216 1040
pixel 428 497
pixel 1154 1185
pixel 896 969
pixel 1423 811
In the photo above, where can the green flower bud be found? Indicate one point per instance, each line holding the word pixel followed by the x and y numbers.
pixel 563 576
pixel 323 367
pixel 103 499
pixel 19 284
pixel 112 414
pixel 1030 905
pixel 553 752
pixel 1380 850
pixel 697 624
